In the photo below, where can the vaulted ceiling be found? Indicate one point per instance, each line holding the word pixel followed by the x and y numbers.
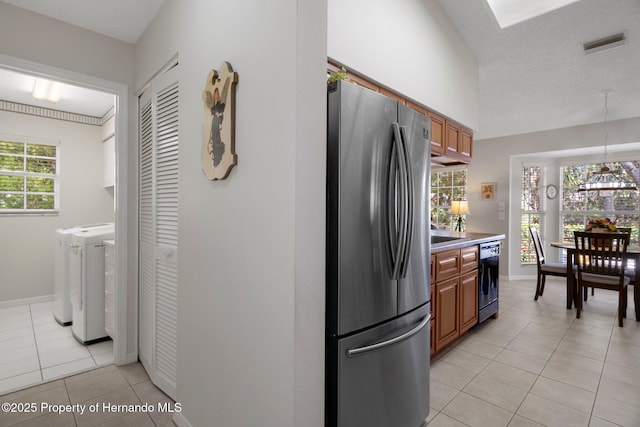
pixel 533 75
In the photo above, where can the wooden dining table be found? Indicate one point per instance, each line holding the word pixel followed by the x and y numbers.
pixel 633 252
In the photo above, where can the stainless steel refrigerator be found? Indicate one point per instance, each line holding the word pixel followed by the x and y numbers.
pixel 378 291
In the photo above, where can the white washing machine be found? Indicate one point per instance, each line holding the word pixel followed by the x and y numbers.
pixel 61 299
pixel 86 283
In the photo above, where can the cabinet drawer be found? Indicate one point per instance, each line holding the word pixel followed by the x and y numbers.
pixel 469 258
pixel 447 265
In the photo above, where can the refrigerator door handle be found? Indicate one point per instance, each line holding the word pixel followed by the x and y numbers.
pixel 401 201
pixel 368 348
pixel 392 207
pixel 409 204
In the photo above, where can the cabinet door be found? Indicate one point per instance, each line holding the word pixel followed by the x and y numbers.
pixel 432 277
pixel 447 265
pixel 447 314
pixel 452 145
pixel 468 300
pixel 468 259
pixel 438 134
pixel 433 320
pixel 465 143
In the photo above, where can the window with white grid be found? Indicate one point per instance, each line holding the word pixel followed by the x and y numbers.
pixel 29 177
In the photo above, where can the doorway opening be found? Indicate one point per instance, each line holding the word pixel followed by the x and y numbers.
pixel 14 109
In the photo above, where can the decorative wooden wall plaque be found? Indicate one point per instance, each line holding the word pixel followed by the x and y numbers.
pixel 218 139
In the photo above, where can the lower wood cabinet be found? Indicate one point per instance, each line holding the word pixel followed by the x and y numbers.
pixel 468 300
pixel 454 295
pixel 447 315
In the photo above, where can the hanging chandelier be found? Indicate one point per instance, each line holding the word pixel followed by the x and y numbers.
pixel 606 179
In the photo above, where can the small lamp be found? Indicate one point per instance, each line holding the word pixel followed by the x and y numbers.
pixel 459 207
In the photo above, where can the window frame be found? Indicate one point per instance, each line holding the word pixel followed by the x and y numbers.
pixel 595 213
pixel 26 141
pixel 456 191
pixel 541 213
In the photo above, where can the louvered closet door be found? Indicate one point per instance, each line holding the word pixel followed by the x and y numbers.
pixel 158 230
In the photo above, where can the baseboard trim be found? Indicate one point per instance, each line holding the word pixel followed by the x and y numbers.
pixel 25 301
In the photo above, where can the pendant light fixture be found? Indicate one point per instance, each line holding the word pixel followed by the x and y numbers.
pixel 606 179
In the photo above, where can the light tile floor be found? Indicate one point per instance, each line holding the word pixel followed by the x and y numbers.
pixel 537 365
pixel 35 348
pixel 128 387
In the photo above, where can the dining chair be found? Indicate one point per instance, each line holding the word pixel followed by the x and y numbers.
pixel 630 272
pixel 544 268
pixel 601 258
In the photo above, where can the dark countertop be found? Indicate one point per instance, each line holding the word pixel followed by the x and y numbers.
pixel 460 239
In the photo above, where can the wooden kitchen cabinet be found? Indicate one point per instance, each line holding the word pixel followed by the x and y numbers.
pixel 454 300
pixel 438 134
pixel 465 144
pixel 447 317
pixel 468 300
pixel 432 323
pixel 458 142
pixel 469 258
pixel 447 265
pixel 452 137
pixel 451 144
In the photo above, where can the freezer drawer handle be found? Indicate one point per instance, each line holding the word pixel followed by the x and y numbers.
pixel 360 350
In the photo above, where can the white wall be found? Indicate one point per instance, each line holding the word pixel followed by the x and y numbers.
pixel 409 46
pixel 251 247
pixel 27 241
pixel 491 163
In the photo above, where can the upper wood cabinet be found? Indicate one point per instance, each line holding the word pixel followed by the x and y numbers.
pixel 437 134
pixel 465 143
pixel 452 137
pixel 450 143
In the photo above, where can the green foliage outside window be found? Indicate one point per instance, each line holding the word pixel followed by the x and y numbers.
pixel 580 207
pixel 446 185
pixel 28 175
pixel 532 211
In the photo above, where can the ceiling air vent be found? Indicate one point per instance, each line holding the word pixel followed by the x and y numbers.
pixel 604 43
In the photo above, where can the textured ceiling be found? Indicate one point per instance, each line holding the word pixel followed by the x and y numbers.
pixel 535 76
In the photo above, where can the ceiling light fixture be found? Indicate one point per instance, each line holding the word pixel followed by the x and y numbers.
pixel 47 90
pixel 606 179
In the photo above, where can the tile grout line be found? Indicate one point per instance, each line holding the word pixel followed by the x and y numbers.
pixel 35 340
